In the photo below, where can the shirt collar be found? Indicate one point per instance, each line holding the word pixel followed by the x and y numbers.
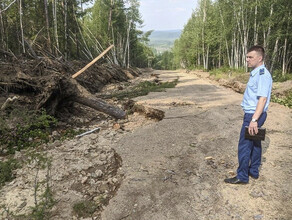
pixel 255 71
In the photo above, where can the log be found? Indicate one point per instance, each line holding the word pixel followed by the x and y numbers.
pixel 55 91
pixel 102 106
pixel 92 62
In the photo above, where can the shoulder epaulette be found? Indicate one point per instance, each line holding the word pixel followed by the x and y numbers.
pixel 262 71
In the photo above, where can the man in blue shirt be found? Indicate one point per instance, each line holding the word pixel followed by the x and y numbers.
pixel 255 104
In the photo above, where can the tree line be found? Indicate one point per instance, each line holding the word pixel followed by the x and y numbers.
pixel 72 30
pixel 220 32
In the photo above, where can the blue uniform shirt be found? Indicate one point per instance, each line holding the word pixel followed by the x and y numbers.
pixel 259 85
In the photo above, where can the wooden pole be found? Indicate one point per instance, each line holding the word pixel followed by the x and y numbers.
pixel 92 62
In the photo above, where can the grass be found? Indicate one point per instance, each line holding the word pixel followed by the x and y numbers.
pixel 143 88
pixel 85 209
pixel 285 100
pixel 226 72
pixel 30 129
pixel 6 170
pixel 279 77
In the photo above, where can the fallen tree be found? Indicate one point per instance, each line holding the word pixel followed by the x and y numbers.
pixel 48 84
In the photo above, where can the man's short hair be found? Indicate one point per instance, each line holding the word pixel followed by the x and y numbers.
pixel 259 49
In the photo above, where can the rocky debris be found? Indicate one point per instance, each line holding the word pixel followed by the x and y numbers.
pixel 82 169
pixel 258 217
pixel 149 112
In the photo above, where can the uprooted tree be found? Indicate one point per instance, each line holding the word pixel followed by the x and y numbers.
pixel 48 84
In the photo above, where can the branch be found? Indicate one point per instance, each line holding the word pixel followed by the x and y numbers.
pixel 7 7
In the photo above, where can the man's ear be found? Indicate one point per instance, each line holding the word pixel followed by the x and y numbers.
pixel 261 58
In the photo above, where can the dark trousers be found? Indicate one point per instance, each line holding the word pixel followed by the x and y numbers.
pixel 249 151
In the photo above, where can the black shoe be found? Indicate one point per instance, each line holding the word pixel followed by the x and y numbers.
pixel 234 180
pixel 254 177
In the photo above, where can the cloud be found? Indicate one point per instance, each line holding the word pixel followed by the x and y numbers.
pixel 166 14
pixel 180 9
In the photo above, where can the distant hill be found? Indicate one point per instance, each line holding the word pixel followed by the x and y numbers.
pixel 163 40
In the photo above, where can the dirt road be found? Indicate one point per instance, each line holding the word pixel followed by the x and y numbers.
pixel 167 175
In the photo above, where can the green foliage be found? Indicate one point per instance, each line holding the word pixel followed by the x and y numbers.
pixel 279 77
pixel 85 208
pixel 142 55
pixel 42 209
pixel 115 22
pixel 43 194
pixel 284 100
pixel 73 31
pixel 32 129
pixel 6 170
pixel 144 88
pixel 70 133
pixel 226 70
pixel 220 32
pixel 163 61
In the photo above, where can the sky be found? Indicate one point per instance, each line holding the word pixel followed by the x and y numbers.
pixel 166 14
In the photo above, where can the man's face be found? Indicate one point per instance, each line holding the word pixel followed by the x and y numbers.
pixel 253 59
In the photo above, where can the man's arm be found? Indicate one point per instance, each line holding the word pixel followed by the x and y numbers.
pixel 253 126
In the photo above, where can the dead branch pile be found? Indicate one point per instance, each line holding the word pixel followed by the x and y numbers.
pixel 46 83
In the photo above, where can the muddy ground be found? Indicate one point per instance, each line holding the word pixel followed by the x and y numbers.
pixel 171 169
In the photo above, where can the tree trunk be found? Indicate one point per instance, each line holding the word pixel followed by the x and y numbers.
pixel 255 33
pixel 227 48
pixel 274 54
pixel 207 58
pixel 55 25
pixel 100 105
pixel 284 57
pixel 2 32
pixel 245 28
pixel 203 34
pixel 110 17
pixel 66 28
pixel 127 48
pixel 114 52
pixel 47 26
pixel 21 26
pixel 269 28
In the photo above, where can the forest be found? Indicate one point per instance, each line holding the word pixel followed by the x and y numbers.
pixel 74 30
pixel 219 33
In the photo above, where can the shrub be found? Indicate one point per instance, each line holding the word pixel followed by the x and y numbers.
pixel 32 129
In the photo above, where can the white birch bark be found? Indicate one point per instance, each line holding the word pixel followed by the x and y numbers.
pixel 66 28
pixel 47 25
pixel 203 35
pixel 284 69
pixel 226 42
pixel 21 25
pixel 255 34
pixel 266 44
pixel 55 24
pixel 274 54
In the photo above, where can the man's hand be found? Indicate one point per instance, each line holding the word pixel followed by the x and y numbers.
pixel 253 128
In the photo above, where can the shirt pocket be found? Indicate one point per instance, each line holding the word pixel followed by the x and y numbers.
pixel 252 84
